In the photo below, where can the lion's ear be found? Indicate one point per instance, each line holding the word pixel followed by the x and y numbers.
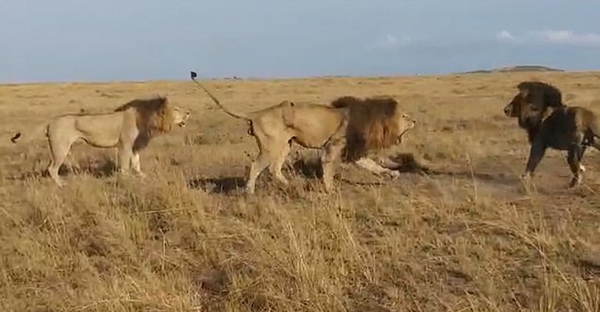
pixel 524 92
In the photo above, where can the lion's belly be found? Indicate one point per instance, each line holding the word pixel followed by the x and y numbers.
pixel 561 142
pixel 100 142
pixel 310 142
pixel 98 132
pixel 315 135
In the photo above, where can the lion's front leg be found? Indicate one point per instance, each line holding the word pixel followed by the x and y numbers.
pixel 388 163
pixel 330 161
pixel 374 167
pixel 125 159
pixel 536 153
pixel 135 164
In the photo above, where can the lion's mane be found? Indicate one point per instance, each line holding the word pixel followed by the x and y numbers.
pixel 154 115
pixel 372 124
pixel 533 103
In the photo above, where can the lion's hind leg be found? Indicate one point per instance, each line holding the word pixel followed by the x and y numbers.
pixel 59 150
pixel 278 156
pixel 581 153
pixel 72 164
pixel 261 162
pixel 573 158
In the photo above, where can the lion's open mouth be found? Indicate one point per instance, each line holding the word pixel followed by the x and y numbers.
pixel 399 138
pixel 183 122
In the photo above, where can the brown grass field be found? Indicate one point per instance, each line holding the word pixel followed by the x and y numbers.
pixel 462 234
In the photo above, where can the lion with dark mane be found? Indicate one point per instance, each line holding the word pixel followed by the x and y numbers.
pixel 551 124
pixel 129 128
pixel 345 131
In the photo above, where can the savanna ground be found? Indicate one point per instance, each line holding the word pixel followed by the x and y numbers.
pixel 460 235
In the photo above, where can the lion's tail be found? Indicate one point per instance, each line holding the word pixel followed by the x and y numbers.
pixel 594 124
pixel 595 129
pixel 236 115
pixel 18 137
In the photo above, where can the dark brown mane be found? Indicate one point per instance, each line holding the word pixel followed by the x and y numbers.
pixel 551 124
pixel 543 94
pixel 533 103
pixel 371 125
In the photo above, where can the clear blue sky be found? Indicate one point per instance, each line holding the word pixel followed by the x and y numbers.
pixel 68 40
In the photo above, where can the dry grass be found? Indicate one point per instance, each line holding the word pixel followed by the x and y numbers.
pixel 463 237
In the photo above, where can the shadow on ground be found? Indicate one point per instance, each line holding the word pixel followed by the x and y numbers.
pixel 310 168
pixel 96 168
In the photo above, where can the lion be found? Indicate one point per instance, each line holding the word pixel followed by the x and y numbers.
pixel 129 128
pixel 344 131
pixel 551 124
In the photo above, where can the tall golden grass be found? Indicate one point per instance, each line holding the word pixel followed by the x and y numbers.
pixel 461 236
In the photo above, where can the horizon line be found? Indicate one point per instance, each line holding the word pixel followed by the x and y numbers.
pixel 236 78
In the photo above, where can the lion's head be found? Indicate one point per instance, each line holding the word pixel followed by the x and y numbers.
pixel 532 104
pixel 156 114
pixel 374 123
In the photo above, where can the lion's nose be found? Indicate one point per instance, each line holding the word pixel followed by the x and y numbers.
pixel 506 111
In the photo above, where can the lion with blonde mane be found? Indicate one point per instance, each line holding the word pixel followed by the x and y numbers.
pixel 129 128
pixel 345 131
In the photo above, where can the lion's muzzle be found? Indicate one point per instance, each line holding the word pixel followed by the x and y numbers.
pixel 183 121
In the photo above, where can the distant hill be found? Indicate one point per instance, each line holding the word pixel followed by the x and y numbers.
pixel 519 68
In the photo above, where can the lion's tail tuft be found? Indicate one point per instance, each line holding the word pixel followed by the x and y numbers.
pixel 19 137
pixel 15 137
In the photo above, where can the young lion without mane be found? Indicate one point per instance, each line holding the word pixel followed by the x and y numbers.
pixel 129 128
pixel 345 131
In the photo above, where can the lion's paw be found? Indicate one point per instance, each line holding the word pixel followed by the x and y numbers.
pixel 575 182
pixel 394 174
